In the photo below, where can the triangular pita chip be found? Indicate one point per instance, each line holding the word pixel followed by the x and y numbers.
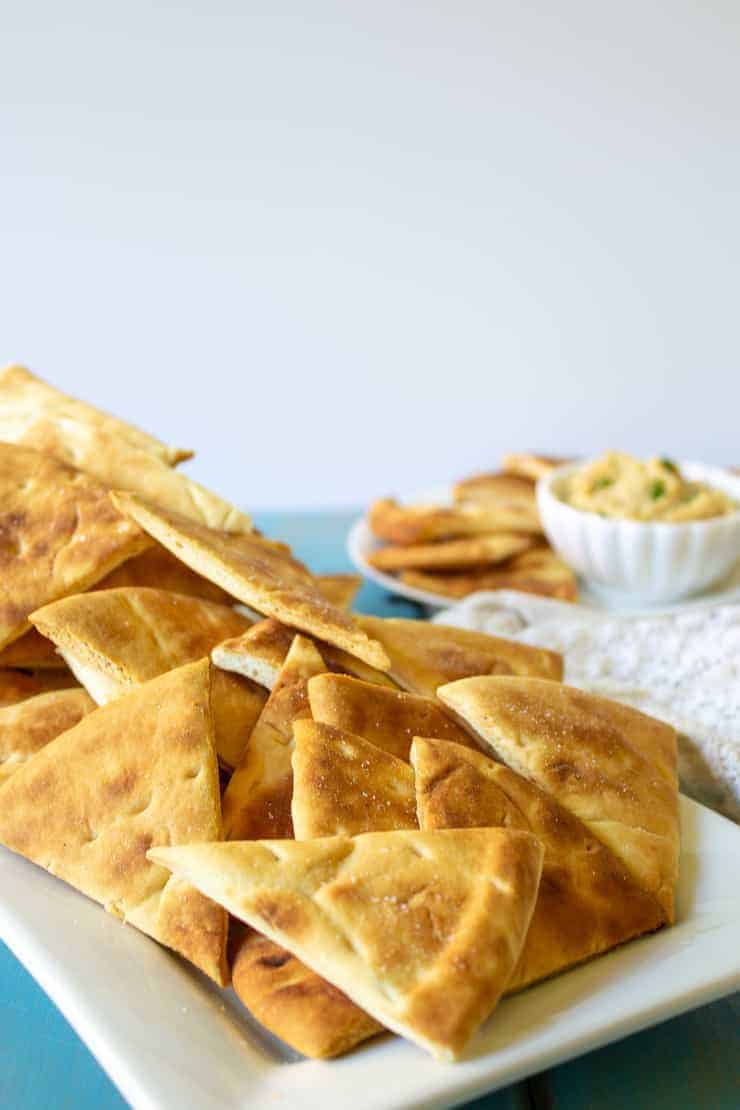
pixel 257 800
pixel 479 551
pixel 258 574
pixel 538 571
pixel 344 785
pixel 422 930
pixel 59 534
pixel 138 773
pixel 15 686
pixel 260 652
pixel 596 758
pixel 389 719
pixel 293 1002
pixel 424 656
pixel 32 651
pixel 36 415
pixel 28 726
pixel 497 488
pixel 587 901
pixel 116 639
pixel 339 589
pixel 405 524
pixel 162 570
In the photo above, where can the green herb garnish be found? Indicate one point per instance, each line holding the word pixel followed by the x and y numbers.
pixel 657 489
pixel 602 483
pixel 668 464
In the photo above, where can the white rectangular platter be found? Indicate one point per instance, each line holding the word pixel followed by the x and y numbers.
pixel 167 1037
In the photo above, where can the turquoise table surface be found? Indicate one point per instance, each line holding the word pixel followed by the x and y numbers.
pixel 692 1061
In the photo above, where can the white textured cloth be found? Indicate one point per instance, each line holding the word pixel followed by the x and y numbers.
pixel 683 668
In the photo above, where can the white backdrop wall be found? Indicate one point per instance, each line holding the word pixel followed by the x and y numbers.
pixel 349 248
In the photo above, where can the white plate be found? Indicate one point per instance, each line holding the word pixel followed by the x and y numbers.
pixel 361 543
pixel 169 1038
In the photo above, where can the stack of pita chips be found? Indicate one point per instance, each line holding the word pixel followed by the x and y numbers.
pixel 414 821
pixel 491 538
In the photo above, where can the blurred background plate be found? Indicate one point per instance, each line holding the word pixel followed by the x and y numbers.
pixel 361 543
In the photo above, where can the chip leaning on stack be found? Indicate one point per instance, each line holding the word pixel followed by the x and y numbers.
pixel 398 823
pixel 491 538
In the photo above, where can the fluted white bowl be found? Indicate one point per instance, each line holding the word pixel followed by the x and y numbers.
pixel 650 561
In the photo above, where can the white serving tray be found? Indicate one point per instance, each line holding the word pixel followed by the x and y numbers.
pixel 361 543
pixel 167 1037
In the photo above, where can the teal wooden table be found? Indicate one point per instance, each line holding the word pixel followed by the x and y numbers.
pixel 692 1061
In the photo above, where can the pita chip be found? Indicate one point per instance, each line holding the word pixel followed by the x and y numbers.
pixel 256 803
pixel 479 551
pixel 29 725
pixel 116 639
pixel 343 785
pixel 587 902
pixel 118 455
pixel 16 686
pixel 538 571
pixel 407 524
pixel 596 758
pixel 424 656
pixel 339 589
pixel 389 719
pixel 59 534
pixel 137 773
pixel 256 572
pixel 32 652
pixel 260 652
pixel 293 1002
pixel 36 414
pixel 497 488
pixel 159 568
pixel 431 973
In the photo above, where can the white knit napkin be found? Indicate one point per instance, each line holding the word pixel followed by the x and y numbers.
pixel 683 668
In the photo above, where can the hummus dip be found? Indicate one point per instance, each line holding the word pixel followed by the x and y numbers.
pixel 620 486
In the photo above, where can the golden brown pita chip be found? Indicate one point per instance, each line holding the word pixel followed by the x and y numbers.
pixel 35 414
pixel 422 930
pixel 344 785
pixel 32 652
pixel 162 570
pixel 15 686
pixel 257 800
pixel 424 656
pixel 339 589
pixel 592 756
pixel 538 571
pixel 137 773
pixel 530 466
pixel 258 574
pixel 59 534
pixel 28 726
pixel 587 901
pixel 389 719
pixel 116 639
pixel 451 553
pixel 295 1003
pixel 261 651
pixel 497 488
pixel 407 524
